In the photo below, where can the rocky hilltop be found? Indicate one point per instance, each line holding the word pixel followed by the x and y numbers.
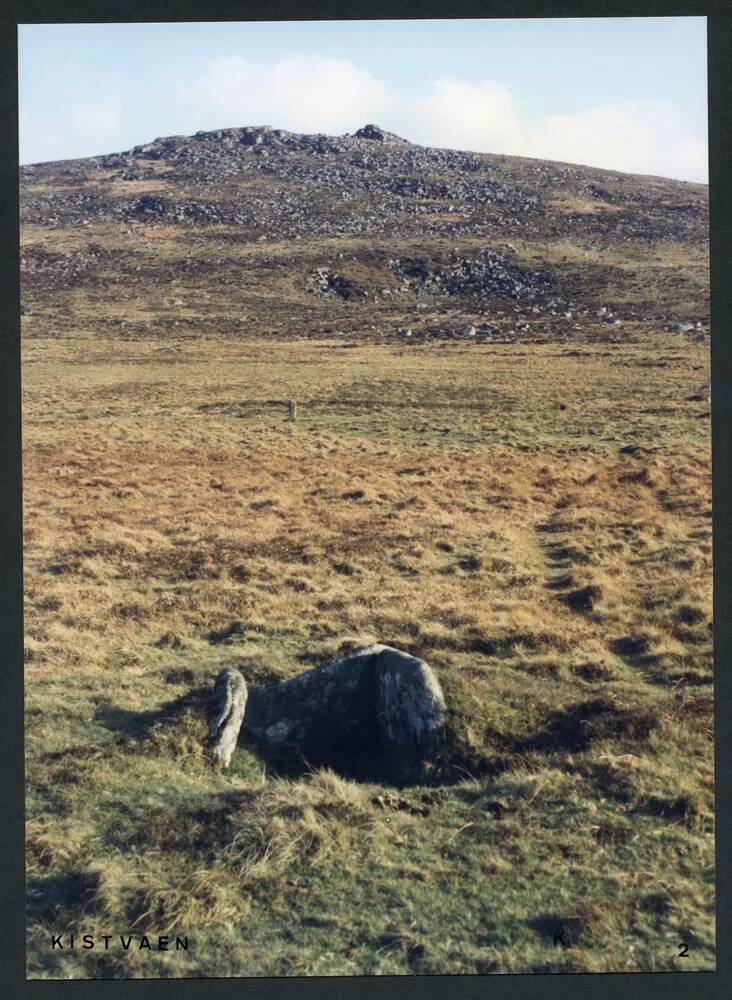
pixel 260 230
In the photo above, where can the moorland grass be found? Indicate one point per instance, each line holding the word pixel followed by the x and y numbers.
pixel 472 506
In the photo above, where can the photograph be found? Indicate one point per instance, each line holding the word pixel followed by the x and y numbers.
pixel 367 498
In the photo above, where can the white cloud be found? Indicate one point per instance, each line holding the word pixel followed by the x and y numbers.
pixel 692 157
pixel 300 92
pixel 459 114
pixel 637 137
pixel 646 137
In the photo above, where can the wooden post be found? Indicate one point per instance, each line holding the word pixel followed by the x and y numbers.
pixel 292 410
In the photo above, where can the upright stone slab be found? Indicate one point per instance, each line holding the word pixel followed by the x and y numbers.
pixel 229 706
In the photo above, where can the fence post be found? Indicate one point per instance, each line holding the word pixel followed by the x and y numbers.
pixel 292 410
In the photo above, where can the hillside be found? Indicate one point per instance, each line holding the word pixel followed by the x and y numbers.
pixel 501 464
pixel 263 232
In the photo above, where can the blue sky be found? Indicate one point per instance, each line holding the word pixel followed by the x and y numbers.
pixel 622 93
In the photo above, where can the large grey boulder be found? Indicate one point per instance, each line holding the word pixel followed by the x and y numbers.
pixel 466 330
pixel 378 700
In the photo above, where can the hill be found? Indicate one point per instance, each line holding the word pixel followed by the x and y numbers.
pixel 262 231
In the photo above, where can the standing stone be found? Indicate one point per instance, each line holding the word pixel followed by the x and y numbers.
pixel 229 705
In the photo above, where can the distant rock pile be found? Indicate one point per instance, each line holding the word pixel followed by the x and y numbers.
pixel 485 275
pixel 328 285
pixel 377 134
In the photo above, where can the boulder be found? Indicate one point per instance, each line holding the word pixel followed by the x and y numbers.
pixel 371 132
pixel 378 134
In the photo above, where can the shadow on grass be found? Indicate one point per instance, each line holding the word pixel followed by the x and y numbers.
pixel 355 759
pixel 358 758
pixel 137 725
pixel 636 653
pixel 50 895
pixel 364 766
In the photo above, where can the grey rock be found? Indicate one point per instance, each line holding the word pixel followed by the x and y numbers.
pixel 377 700
pixel 378 134
pixel 229 706
pixel 411 709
